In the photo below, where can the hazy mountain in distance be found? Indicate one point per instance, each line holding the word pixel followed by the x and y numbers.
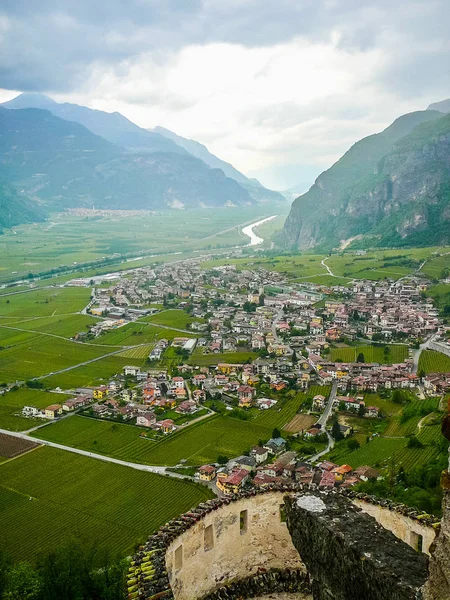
pixel 393 188
pixel 113 127
pixel 61 163
pixel 443 106
pixel 253 186
pixel 15 210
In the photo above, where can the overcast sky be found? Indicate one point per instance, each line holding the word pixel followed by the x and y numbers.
pixel 279 88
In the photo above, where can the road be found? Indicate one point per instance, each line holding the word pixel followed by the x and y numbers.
pixel 323 263
pixel 418 352
pixel 148 468
pixel 323 421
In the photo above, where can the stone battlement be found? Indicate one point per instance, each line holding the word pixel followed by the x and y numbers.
pixel 227 541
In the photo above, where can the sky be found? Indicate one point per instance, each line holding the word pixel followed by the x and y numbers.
pixel 279 88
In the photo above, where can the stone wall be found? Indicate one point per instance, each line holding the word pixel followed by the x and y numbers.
pixel 412 531
pixel 231 544
pixel 348 554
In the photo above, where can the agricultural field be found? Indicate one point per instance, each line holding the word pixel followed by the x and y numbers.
pixel 76 240
pixel 436 264
pixel 41 355
pixel 397 354
pixel 138 352
pixel 11 447
pixel 44 302
pixel 303 266
pixel 177 319
pixel 285 410
pixel 441 296
pixel 434 362
pixel 48 495
pixel 299 423
pixel 96 373
pixel 65 326
pixel 376 453
pixel 11 405
pixel 139 333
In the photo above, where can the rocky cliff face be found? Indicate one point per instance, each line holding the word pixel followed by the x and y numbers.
pixel 392 189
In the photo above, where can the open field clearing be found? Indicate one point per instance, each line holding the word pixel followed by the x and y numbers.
pixel 49 495
pixel 44 302
pixel 139 333
pixel 172 318
pixel 286 408
pixel 434 362
pixel 300 423
pixel 10 447
pixel 397 354
pixel 293 266
pixel 41 355
pixel 435 265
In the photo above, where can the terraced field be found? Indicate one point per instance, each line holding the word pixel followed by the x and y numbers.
pixel 48 495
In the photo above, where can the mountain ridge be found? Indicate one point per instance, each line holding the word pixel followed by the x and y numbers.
pixel 368 191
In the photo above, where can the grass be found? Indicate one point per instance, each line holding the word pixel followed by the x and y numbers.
pixel 66 325
pixel 172 318
pixel 434 362
pixel 138 333
pixel 75 495
pixel 371 354
pixel 375 453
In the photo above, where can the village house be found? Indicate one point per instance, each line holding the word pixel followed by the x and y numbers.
pixel 246 393
pixel 207 473
pixel 53 411
pixel 231 483
pixel 146 419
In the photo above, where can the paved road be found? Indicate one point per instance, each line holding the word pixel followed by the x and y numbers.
pixel 329 406
pixel 418 352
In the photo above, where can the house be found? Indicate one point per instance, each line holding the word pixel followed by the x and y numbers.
pixel 131 371
pixel 233 482
pixel 372 412
pixel 100 392
pixel 275 445
pixel 178 382
pixel 242 462
pixel 259 454
pixel 318 403
pixel 365 473
pixel 30 411
pixel 199 395
pixel 327 480
pixel 342 471
pixel 146 419
pixel 207 472
pixel 166 426
pixel 52 411
pixel 312 432
pixel 246 394
pixel 187 407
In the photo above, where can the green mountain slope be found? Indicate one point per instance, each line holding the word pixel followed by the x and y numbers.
pixel 15 210
pixel 390 186
pixel 61 163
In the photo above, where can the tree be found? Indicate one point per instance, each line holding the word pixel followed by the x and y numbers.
pixel 222 459
pixel 361 410
pixel 413 442
pixel 361 358
pixel 336 432
pixel 276 433
pixel 353 444
pixel 22 583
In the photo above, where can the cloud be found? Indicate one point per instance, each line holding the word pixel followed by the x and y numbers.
pixel 264 84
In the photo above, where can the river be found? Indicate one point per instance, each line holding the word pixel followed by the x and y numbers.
pixel 255 239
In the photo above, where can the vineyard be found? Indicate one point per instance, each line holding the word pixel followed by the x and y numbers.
pixel 138 352
pixel 434 362
pixel 48 495
pixel 397 354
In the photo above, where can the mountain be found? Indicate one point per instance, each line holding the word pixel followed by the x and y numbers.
pixel 15 210
pixel 113 127
pixel 253 186
pixel 443 107
pixel 391 187
pixel 117 129
pixel 60 163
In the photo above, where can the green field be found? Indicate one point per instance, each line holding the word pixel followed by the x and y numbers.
pixel 41 354
pixel 44 302
pixel 434 362
pixel 172 318
pixel 397 354
pixel 66 326
pixel 49 495
pixel 71 241
pixel 139 332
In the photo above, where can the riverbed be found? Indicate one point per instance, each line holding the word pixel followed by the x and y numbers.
pixel 255 240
